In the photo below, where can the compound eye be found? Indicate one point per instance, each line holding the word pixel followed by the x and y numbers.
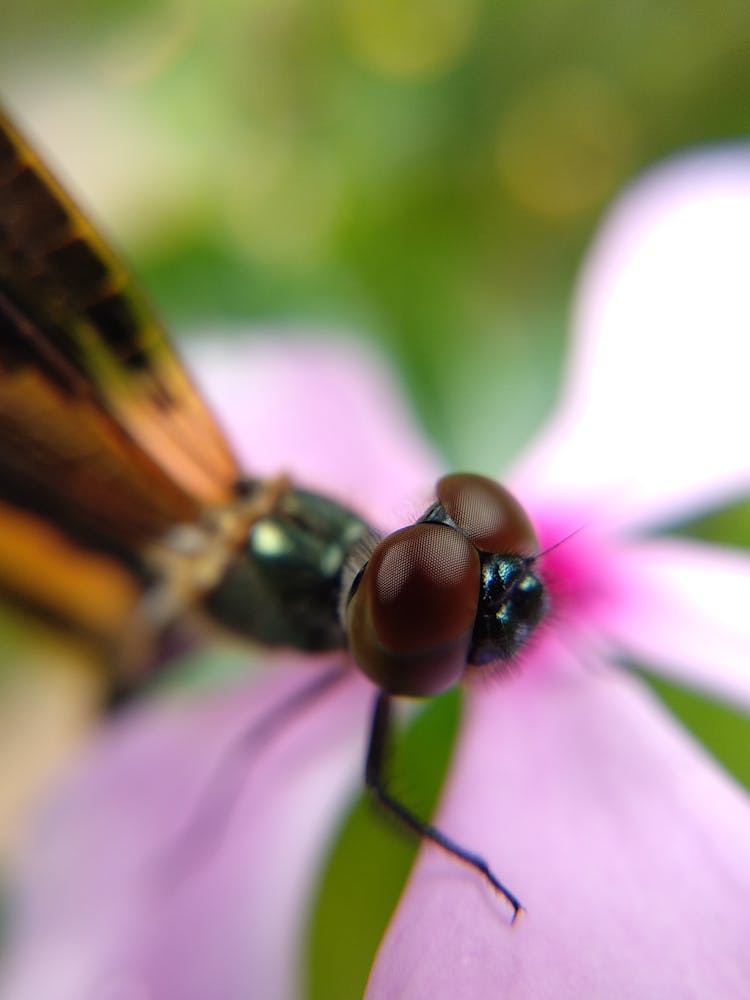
pixel 487 514
pixel 410 620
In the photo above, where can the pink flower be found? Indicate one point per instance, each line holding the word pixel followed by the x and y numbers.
pixel 628 846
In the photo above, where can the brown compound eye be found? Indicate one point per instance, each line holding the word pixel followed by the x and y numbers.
pixel 410 620
pixel 487 514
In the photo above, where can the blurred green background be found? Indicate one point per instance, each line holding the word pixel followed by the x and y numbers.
pixel 423 174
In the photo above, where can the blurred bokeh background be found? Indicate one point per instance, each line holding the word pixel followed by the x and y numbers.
pixel 423 174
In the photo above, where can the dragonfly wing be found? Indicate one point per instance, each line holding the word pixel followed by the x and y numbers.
pixel 105 444
pixel 56 270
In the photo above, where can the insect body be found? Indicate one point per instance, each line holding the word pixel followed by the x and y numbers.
pixel 120 499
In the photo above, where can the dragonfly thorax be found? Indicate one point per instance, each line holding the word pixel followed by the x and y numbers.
pixel 284 586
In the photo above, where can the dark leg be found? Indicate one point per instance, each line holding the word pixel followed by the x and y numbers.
pixel 209 815
pixel 375 780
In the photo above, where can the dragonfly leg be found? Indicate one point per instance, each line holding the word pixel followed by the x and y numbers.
pixel 209 815
pixel 376 782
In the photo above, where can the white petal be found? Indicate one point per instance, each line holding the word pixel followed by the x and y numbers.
pixel 654 417
pixel 686 611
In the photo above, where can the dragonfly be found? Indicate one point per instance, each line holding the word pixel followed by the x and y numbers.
pixel 124 513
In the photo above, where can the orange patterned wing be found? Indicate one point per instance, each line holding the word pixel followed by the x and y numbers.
pixel 57 272
pixel 104 442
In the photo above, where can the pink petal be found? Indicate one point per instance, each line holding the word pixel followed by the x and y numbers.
pixel 686 610
pixel 628 847
pixel 325 411
pixel 653 421
pixel 106 911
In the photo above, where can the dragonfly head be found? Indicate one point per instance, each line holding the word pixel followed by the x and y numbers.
pixel 457 589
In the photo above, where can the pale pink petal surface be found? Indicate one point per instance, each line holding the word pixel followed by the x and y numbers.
pixel 326 411
pixel 653 420
pixel 627 845
pixel 685 611
pixel 119 901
